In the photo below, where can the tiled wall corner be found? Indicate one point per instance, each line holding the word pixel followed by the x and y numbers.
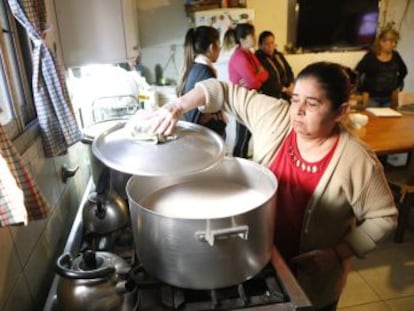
pixel 28 253
pixel 20 297
pixel 10 265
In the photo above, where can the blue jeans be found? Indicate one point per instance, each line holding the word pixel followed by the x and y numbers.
pixel 379 102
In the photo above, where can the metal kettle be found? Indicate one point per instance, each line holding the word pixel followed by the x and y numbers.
pixel 94 281
pixel 105 211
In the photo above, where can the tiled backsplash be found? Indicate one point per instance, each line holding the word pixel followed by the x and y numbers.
pixel 28 254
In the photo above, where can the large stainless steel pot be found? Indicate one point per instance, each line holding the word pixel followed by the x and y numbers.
pixel 202 252
pixel 89 134
pixel 117 179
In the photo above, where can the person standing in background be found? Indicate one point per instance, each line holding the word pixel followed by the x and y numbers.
pixel 201 50
pixel 244 70
pixel 227 48
pixel 382 70
pixel 280 82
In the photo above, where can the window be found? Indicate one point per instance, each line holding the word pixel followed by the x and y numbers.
pixel 16 103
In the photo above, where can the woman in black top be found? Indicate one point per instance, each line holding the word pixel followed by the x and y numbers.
pixel 280 82
pixel 382 70
pixel 201 50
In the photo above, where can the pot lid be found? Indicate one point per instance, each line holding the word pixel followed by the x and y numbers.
pixel 90 132
pixel 195 148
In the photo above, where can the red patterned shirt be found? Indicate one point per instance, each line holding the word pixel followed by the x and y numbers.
pixel 297 181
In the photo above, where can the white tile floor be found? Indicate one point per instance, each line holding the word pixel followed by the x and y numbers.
pixel 384 281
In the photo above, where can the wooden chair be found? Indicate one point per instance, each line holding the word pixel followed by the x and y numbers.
pixel 359 101
pixel 403 98
pixel 401 181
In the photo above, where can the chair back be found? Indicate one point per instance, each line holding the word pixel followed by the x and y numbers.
pixel 359 101
pixel 405 98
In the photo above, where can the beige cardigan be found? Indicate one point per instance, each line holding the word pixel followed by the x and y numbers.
pixel 352 201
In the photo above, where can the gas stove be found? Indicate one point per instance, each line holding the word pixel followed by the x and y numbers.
pixel 265 291
pixel 273 288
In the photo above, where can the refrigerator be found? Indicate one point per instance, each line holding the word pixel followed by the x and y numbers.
pixel 223 19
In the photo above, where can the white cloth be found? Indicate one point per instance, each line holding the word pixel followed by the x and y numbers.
pixel 11 196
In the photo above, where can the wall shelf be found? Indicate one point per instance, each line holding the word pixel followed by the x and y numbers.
pixel 204 5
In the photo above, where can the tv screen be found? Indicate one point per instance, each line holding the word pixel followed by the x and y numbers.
pixel 336 24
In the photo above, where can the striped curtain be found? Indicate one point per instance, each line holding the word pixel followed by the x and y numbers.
pixel 56 118
pixel 20 199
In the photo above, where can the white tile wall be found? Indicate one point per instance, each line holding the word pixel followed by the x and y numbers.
pixel 20 297
pixel 10 266
pixel 25 238
pixel 28 254
pixel 38 271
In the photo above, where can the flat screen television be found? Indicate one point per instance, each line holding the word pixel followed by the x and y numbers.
pixel 336 24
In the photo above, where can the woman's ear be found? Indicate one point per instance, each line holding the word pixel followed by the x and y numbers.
pixel 343 110
pixel 210 49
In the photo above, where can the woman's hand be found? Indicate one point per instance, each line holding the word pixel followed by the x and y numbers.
pixel 168 115
pixel 316 261
pixel 160 121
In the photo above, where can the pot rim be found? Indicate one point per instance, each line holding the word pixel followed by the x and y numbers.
pixel 117 150
pixel 268 197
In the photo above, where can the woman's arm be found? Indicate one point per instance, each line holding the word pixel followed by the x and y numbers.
pixel 375 212
pixel 253 109
pixel 402 70
pixel 170 113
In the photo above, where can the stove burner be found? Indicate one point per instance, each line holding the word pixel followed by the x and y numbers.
pixel 262 289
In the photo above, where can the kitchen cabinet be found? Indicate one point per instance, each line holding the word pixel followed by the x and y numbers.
pixel 96 31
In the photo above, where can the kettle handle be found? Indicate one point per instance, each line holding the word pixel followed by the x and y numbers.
pixel 65 260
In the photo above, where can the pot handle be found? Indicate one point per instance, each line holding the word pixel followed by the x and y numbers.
pixel 210 236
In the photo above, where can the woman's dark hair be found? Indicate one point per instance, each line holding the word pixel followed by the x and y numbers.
pixel 240 32
pixel 197 41
pixel 333 79
pixel 264 35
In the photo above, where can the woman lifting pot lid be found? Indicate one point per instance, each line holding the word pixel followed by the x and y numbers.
pixel 333 201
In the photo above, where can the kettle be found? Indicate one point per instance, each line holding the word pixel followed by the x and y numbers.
pixel 105 211
pixel 94 281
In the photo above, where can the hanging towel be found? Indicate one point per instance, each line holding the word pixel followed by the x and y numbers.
pixel 34 203
pixel 57 121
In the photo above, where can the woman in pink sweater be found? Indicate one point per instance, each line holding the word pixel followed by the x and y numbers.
pixel 244 70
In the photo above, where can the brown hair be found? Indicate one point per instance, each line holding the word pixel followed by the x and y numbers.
pixel 197 41
pixel 387 31
pixel 264 35
pixel 240 32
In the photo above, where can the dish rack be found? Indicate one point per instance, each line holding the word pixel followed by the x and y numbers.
pixel 114 107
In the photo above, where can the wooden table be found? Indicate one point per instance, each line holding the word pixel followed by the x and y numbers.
pixel 386 135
